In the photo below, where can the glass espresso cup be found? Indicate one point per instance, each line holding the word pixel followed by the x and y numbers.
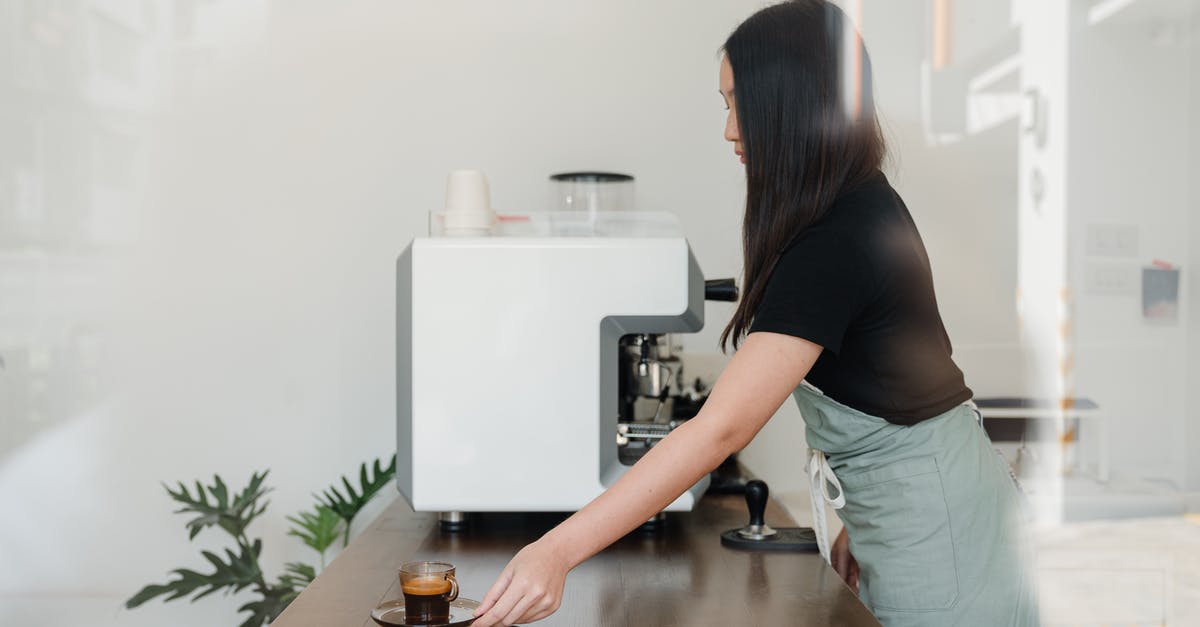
pixel 428 589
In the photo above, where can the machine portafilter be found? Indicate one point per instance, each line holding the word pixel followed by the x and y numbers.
pixel 649 366
pixel 649 372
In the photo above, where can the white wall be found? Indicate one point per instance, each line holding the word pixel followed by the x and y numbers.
pixel 242 318
pixel 1192 276
pixel 1129 165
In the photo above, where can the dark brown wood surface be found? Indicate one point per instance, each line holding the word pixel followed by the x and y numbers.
pixel 680 575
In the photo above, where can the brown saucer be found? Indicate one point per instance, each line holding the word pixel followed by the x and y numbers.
pixel 391 614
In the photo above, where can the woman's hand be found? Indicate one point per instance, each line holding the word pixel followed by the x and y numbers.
pixel 843 562
pixel 528 589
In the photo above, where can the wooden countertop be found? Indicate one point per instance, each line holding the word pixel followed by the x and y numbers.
pixel 680 575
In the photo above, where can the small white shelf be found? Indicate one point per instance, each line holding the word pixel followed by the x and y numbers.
pixel 1135 11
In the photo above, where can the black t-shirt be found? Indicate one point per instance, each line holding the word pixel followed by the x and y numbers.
pixel 858 283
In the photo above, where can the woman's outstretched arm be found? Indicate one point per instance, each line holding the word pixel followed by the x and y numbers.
pixel 759 378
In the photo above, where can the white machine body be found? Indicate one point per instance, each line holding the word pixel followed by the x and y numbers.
pixel 507 375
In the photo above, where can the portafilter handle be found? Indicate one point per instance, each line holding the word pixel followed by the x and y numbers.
pixel 721 289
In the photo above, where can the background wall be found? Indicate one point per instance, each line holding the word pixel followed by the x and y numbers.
pixel 200 220
pixel 1193 278
pixel 1133 173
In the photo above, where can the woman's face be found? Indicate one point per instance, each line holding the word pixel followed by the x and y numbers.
pixel 731 121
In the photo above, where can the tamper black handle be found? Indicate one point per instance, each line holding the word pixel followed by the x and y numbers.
pixel 756 501
pixel 721 289
pixel 758 536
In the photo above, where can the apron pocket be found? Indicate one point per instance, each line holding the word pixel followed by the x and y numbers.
pixel 899 527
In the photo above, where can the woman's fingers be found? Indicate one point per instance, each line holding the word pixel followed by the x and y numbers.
pixel 520 602
pixel 518 611
pixel 495 615
pixel 531 585
pixel 839 556
pixel 843 561
pixel 495 592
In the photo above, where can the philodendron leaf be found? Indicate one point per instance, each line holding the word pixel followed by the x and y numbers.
pixel 233 517
pixel 348 505
pixel 208 514
pixel 291 583
pixel 260 611
pixel 297 575
pixel 235 573
pixel 246 506
pixel 220 492
pixel 317 529
pixel 267 609
pixel 147 593
pixel 382 476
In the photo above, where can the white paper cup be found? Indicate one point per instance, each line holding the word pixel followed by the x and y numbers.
pixel 467 190
pixel 468 204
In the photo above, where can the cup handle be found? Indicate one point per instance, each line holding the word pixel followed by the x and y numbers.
pixel 453 593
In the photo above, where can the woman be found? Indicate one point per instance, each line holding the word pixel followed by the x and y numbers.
pixel 838 290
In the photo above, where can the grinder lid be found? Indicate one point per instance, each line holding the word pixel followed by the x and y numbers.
pixel 591 177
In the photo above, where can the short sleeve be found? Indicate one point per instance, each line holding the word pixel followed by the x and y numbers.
pixel 820 285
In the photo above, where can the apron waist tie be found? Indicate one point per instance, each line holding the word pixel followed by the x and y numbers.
pixel 970 404
pixel 821 477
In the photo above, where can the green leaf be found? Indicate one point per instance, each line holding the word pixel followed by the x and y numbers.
pixel 213 507
pixel 297 575
pixel 318 530
pixel 234 572
pixel 349 489
pixel 219 491
pixel 145 594
pixel 277 597
pixel 348 505
pixel 265 609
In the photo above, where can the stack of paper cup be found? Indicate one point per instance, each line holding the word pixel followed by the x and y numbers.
pixel 468 204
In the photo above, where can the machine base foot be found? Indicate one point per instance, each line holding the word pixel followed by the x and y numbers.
pixel 452 521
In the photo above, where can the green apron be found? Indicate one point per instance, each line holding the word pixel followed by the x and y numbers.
pixel 934 517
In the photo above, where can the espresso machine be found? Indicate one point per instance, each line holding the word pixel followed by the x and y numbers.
pixel 536 357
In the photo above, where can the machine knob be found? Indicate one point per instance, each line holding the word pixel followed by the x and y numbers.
pixel 756 502
pixel 721 289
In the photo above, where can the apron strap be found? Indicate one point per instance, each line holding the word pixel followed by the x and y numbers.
pixel 821 477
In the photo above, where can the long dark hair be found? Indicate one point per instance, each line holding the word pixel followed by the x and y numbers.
pixel 807 122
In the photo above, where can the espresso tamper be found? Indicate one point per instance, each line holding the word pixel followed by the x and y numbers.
pixel 756 502
pixel 758 535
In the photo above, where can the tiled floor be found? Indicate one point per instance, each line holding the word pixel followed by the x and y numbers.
pixel 1121 572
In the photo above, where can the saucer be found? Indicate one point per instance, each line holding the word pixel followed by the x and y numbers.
pixel 391 614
